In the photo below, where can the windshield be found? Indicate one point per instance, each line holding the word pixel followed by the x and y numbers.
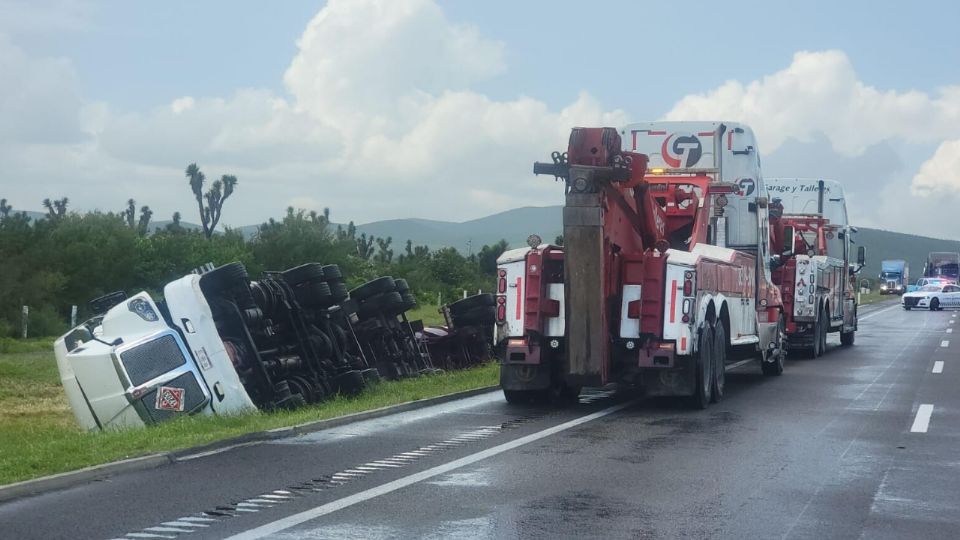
pixel 890 275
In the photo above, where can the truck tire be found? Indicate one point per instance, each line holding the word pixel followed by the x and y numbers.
pixel 815 350
pixel 472 302
pixel 523 397
pixel 703 367
pixel 824 330
pixel 719 363
pixel 331 272
pixel 372 288
pixel 847 338
pixel 775 368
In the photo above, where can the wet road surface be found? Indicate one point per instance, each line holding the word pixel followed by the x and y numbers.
pixel 862 442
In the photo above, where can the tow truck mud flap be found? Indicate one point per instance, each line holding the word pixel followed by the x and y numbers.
pixel 524 376
pixel 587 336
pixel 676 381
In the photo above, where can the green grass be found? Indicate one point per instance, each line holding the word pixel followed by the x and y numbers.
pixel 430 315
pixel 39 436
pixel 875 296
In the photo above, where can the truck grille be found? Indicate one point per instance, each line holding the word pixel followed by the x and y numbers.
pixel 193 398
pixel 910 301
pixel 152 359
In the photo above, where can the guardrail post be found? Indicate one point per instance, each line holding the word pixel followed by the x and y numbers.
pixel 25 321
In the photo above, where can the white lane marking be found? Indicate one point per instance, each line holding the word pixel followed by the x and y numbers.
pixel 875 313
pixel 922 421
pixel 313 513
pixel 184 524
pixel 148 535
pixel 938 366
pixel 949 330
pixel 168 530
pixel 945 343
pixel 735 365
pixel 197 519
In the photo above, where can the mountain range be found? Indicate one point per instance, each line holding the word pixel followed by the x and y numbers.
pixel 515 225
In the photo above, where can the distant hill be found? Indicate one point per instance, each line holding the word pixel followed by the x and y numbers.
pixel 515 225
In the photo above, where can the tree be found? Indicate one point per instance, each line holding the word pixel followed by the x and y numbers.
pixel 219 192
pixel 174 226
pixel 57 208
pixel 487 258
pixel 130 212
pixel 385 254
pixel 365 246
pixel 558 240
pixel 5 209
pixel 144 223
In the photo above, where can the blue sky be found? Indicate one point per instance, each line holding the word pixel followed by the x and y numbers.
pixel 122 95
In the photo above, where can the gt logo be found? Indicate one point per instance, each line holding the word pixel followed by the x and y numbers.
pixel 685 151
pixel 747 186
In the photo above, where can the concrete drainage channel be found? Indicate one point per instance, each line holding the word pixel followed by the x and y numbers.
pixel 203 521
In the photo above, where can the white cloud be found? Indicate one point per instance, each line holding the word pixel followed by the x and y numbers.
pixel 941 173
pixel 820 93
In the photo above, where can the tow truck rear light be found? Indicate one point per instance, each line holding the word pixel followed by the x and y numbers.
pixel 501 313
pixel 502 282
pixel 687 287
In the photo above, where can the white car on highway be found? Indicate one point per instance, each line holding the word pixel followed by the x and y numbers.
pixel 932 297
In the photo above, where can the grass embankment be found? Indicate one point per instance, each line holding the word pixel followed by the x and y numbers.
pixel 875 296
pixel 430 315
pixel 39 436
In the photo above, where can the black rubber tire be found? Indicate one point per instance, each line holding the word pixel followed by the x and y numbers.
pixel 303 274
pixel 476 316
pixel 331 272
pixel 719 363
pixel 815 350
pixel 349 383
pixel 372 288
pixel 470 302
pixel 402 285
pixel 226 277
pixel 775 368
pixel 824 329
pixel 703 367
pixel 906 308
pixel 338 291
pixel 382 303
pixel 314 294
pixel 935 304
pixel 370 375
pixel 847 339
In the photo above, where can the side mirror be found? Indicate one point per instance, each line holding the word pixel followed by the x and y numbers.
pixel 788 235
pixel 861 256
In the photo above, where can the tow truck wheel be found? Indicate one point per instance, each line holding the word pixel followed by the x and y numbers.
pixel 847 338
pixel 824 329
pixel 775 368
pixel 719 363
pixel 703 379
pixel 815 350
pixel 522 397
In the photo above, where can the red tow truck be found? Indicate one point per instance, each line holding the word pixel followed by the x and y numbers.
pixel 663 280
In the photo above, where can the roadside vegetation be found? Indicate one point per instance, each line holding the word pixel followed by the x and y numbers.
pixel 39 436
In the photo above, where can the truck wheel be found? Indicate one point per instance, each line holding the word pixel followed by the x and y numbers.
pixel 719 363
pixel 935 304
pixel 703 366
pixel 824 329
pixel 816 351
pixel 775 368
pixel 847 338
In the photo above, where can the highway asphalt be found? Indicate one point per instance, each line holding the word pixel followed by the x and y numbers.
pixel 862 442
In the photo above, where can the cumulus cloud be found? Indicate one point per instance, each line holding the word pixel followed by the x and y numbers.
pixel 941 173
pixel 820 93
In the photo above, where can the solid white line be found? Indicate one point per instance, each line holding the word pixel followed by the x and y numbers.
pixel 867 316
pixel 938 366
pixel 313 513
pixel 922 421
pixel 183 524
pixel 945 343
pixel 735 365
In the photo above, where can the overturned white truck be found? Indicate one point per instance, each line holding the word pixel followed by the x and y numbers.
pixel 220 343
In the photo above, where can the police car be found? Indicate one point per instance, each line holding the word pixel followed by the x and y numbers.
pixel 933 297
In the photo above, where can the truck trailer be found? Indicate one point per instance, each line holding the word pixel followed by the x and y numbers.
pixel 664 277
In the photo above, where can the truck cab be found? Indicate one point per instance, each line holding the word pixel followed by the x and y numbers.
pixel 894 277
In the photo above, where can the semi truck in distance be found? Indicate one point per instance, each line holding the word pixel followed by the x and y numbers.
pixel 663 279
pixel 894 276
pixel 943 265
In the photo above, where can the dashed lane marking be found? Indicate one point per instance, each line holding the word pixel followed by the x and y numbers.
pixel 945 343
pixel 938 366
pixel 949 330
pixel 922 420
